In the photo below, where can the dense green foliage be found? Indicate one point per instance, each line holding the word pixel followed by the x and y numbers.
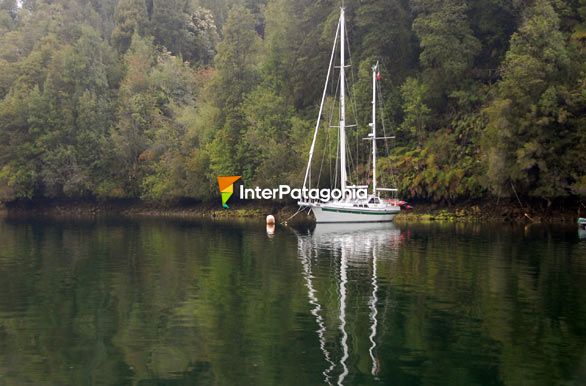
pixel 151 99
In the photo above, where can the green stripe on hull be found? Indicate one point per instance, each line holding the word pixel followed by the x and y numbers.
pixel 357 212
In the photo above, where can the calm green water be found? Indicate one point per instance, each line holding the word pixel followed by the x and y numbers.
pixel 121 302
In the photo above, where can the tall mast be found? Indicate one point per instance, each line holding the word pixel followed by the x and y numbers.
pixel 343 175
pixel 374 71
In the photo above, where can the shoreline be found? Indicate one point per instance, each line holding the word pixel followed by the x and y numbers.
pixel 483 211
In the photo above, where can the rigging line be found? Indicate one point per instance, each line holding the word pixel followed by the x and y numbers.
pixel 383 119
pixel 381 109
pixel 354 107
pixel 329 152
pixel 323 159
pixel 321 168
pixel 382 113
pixel 301 209
pixel 518 199
pixel 331 85
pixel 307 172
pixel 350 160
pixel 337 165
pixel 368 166
pixel 330 124
pixel 351 163
pixel 335 107
pixel 334 104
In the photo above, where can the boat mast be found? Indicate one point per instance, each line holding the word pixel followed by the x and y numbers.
pixel 373 124
pixel 343 175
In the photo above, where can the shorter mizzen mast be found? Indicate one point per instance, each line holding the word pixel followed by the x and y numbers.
pixel 372 136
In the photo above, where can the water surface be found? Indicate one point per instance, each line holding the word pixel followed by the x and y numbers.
pixel 152 302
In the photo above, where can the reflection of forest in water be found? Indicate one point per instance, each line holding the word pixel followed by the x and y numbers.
pixel 167 303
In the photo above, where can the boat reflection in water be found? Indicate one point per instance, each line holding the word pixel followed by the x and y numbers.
pixel 352 252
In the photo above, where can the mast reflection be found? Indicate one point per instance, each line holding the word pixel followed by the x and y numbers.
pixel 373 315
pixel 356 247
pixel 306 253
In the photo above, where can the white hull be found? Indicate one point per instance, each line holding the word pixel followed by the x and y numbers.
pixel 348 215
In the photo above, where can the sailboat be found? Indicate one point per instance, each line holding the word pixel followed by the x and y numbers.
pixel 349 208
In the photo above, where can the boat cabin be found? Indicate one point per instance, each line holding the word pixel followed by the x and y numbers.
pixel 371 201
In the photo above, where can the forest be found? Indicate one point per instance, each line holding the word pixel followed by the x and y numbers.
pixel 151 99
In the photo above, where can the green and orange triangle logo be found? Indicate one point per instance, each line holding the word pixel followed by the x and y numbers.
pixel 226 184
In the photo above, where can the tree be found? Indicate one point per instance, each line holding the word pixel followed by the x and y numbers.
pixel 77 115
pixel 530 127
pixel 266 141
pixel 201 37
pixel 385 27
pixel 8 15
pixel 493 22
pixel 138 114
pixel 416 112
pixel 130 18
pixel 447 44
pixel 236 60
pixel 283 37
pixel 21 166
pixel 236 75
